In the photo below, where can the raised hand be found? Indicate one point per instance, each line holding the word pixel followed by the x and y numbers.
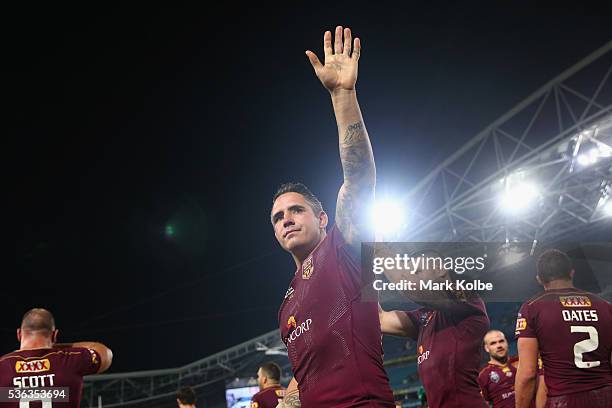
pixel 340 69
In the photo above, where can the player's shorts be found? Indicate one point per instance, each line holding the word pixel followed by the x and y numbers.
pixel 599 398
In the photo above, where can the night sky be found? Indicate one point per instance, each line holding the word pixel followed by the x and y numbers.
pixel 146 145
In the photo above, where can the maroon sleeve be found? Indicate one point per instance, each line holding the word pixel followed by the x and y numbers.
pixel 84 361
pixel 415 316
pixel 483 383
pixel 525 323
pixel 255 403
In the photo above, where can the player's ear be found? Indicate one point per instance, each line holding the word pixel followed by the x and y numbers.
pixel 323 219
pixel 571 274
pixel 19 335
pixel 54 336
pixel 539 280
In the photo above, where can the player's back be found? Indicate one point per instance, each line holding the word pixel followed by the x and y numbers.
pixel 574 332
pixel 26 372
pixel 268 398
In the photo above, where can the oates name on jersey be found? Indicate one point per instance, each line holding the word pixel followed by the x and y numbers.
pixel 580 315
pixel 299 330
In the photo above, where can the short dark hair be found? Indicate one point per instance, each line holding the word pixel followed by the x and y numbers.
pixel 38 320
pixel 186 395
pixel 554 264
pixel 489 332
pixel 293 187
pixel 272 371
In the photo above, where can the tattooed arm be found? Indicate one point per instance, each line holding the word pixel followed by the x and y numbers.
pixel 338 76
pixel 292 396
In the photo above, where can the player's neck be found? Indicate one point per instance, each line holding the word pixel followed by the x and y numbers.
pixel 501 362
pixel 559 284
pixel 300 255
pixel 33 344
pixel 270 385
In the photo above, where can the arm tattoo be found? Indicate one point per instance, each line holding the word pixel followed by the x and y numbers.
pixel 356 154
pixel 292 400
pixel 359 179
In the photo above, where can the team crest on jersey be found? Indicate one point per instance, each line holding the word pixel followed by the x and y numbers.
pixel 521 324
pixel 425 317
pixel 493 376
pixel 307 268
pixel 36 366
pixel 289 293
pixel 575 301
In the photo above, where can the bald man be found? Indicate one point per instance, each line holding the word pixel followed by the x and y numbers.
pixel 41 362
pixel 496 380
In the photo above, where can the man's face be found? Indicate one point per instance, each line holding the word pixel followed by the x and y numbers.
pixel 295 223
pixel 496 345
pixel 260 379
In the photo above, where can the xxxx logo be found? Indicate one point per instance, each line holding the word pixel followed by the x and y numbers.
pixel 35 366
pixel 575 301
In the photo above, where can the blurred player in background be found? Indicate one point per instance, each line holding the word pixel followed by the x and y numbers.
pixel 186 398
pixel 271 392
pixel 332 334
pixel 496 380
pixel 449 329
pixel 41 362
pixel 572 331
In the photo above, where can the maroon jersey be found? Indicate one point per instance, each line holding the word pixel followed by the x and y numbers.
pixel 497 383
pixel 48 368
pixel 574 332
pixel 268 397
pixel 448 350
pixel 332 335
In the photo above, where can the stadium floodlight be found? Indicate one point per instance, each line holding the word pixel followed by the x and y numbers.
pixel 584 160
pixel 517 197
pixel 600 151
pixel 608 208
pixel 387 217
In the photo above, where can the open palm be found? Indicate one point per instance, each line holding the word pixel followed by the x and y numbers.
pixel 340 69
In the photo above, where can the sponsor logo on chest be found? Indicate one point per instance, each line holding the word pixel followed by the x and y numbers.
pixel 423 354
pixel 295 330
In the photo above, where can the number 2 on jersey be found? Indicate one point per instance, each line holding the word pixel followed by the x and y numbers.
pixel 25 403
pixel 585 346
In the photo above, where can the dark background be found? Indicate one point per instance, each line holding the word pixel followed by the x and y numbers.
pixel 146 143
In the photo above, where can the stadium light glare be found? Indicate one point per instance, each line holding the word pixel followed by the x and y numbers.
pixel 584 160
pixel 608 208
pixel 387 217
pixel 518 197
